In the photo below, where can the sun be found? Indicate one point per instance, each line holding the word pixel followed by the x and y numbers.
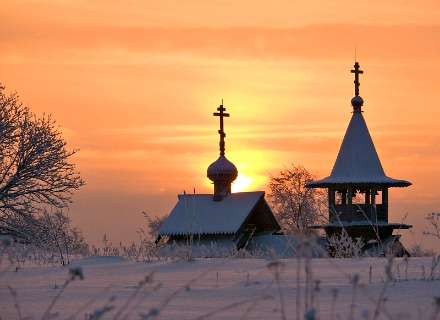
pixel 241 183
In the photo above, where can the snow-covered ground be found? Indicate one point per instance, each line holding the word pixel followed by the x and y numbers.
pixel 226 289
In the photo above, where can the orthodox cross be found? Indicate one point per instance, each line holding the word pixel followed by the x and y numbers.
pixel 357 71
pixel 221 113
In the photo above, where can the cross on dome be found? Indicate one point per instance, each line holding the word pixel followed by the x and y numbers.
pixel 221 114
pixel 222 171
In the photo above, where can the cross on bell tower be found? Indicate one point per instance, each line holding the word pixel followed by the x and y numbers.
pixel 357 102
pixel 221 114
pixel 357 71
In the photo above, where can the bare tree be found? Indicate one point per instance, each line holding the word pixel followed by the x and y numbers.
pixel 295 206
pixel 433 220
pixel 57 235
pixel 153 223
pixel 35 171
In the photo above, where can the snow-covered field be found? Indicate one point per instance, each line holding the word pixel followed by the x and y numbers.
pixel 227 289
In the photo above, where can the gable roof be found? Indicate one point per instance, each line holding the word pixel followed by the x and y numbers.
pixel 199 214
pixel 358 161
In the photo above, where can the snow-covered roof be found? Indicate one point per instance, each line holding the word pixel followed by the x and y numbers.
pixel 222 169
pixel 199 214
pixel 357 161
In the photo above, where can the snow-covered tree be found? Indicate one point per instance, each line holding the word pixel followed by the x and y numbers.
pixel 153 224
pixel 56 234
pixel 295 206
pixel 433 229
pixel 35 169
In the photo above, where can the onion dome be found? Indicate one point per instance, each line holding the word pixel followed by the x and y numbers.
pixel 357 102
pixel 222 169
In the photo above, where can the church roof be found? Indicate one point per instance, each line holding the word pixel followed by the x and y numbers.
pixel 199 214
pixel 358 161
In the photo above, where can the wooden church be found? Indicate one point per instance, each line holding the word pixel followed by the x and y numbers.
pixel 358 187
pixel 222 217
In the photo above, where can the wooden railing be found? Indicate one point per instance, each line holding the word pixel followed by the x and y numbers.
pixel 358 212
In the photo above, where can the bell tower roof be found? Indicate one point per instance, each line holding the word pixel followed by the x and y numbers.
pixel 358 161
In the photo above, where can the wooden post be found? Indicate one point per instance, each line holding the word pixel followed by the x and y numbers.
pixel 331 203
pixel 344 196
pixel 373 196
pixel 385 195
pixel 367 196
pixel 350 195
pixel 385 202
pixel 331 198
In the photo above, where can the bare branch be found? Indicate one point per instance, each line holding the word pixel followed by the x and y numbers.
pixel 35 168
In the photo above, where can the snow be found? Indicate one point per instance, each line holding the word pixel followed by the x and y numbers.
pixel 199 214
pixel 358 161
pixel 222 168
pixel 282 245
pixel 227 288
pixel 95 260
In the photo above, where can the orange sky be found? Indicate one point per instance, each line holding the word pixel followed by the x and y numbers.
pixel 133 84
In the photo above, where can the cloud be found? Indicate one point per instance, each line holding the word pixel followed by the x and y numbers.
pixel 401 42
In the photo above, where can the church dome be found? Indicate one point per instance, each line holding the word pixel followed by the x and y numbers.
pixel 357 102
pixel 222 169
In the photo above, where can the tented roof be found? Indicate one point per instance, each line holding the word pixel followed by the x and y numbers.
pixel 357 161
pixel 200 214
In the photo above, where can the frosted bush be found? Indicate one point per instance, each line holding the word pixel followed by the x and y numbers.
pixel 433 220
pixel 343 246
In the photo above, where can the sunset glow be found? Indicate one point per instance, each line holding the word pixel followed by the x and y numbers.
pixel 134 84
pixel 242 183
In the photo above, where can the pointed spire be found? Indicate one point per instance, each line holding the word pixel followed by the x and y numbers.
pixel 357 162
pixel 357 102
